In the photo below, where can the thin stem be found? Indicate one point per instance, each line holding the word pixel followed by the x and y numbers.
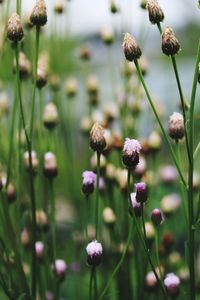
pixel 53 218
pixel 145 243
pixel 157 250
pixel 159 121
pixel 196 152
pixel 97 195
pixel 91 284
pixel 190 182
pixel 130 234
pixel 95 285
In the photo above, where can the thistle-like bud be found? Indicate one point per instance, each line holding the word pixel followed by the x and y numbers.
pixel 94 253
pixel 131 153
pixel 170 44
pixel 14 29
pixel 176 126
pixel 141 192
pixel 97 139
pixel 60 268
pixel 131 48
pixel 156 14
pixel 157 217
pixel 172 284
pixel 89 179
pixel 39 14
pixel 59 7
pixel 50 117
pixel 50 165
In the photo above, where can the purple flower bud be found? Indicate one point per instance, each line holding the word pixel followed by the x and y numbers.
pixel 39 249
pixel 141 192
pixel 131 153
pixel 172 284
pixel 136 205
pixel 157 217
pixel 89 180
pixel 94 253
pixel 60 268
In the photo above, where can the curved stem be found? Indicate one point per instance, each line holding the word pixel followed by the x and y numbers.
pixel 159 121
pixel 97 195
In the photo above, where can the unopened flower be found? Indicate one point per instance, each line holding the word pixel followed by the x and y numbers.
pixel 11 193
pixel 170 44
pixel 151 281
pixel 59 7
pixel 107 36
pixel 131 48
pixel 41 79
pixel 60 268
pixel 109 216
pixel 89 179
pixel 157 217
pixel 71 87
pixel 97 139
pixel 94 253
pixel 92 85
pixel 143 4
pixel 172 284
pixel 168 174
pixel 24 66
pixel 137 209
pixel 25 237
pixel 50 117
pixel 131 151
pixel 41 219
pixel 141 192
pixel 39 249
pixel 50 165
pixel 85 52
pixel 176 126
pixel 14 29
pixel 150 230
pixel 154 141
pixel 34 161
pixel 113 7
pixel 170 203
pixel 39 14
pixel 156 14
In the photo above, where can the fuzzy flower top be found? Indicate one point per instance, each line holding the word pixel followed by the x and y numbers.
pixel 60 266
pixel 94 248
pixel 89 177
pixel 171 280
pixel 131 147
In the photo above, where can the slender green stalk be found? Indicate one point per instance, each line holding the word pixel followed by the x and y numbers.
pixel 196 152
pixel 159 122
pixel 130 234
pixel 190 183
pixel 157 250
pixel 97 195
pixel 144 241
pixel 91 283
pixel 53 218
pixel 95 285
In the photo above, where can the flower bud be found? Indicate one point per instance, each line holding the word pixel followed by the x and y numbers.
pixel 151 281
pixel 141 192
pixel 143 4
pixel 94 253
pixel 50 165
pixel 113 7
pixel 14 29
pixel 150 231
pixel 59 7
pixel 85 52
pixel 172 284
pixel 60 268
pixel 168 174
pixel 92 85
pixel 41 79
pixel 170 203
pixel 41 219
pixel 39 14
pixel 97 139
pixel 71 87
pixel 11 193
pixel 176 126
pixel 109 216
pixel 107 36
pixel 157 217
pixel 24 66
pixel 136 205
pixel 131 49
pixel 156 14
pixel 34 160
pixel 170 44
pixel 39 249
pixel 131 151
pixel 89 179
pixel 50 117
pixel 25 237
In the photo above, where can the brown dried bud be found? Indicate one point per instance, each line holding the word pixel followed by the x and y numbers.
pixel 156 14
pixel 131 48
pixel 59 7
pixel 14 29
pixel 170 44
pixel 176 126
pixel 39 14
pixel 97 139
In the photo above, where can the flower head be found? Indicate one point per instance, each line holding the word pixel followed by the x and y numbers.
pixel 131 48
pixel 176 126
pixel 14 29
pixel 170 44
pixel 60 268
pixel 89 180
pixel 141 192
pixel 172 284
pixel 156 14
pixel 97 139
pixel 39 13
pixel 131 152
pixel 94 251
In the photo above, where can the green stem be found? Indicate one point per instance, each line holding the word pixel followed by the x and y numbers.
pixel 190 183
pixel 91 283
pixel 95 285
pixel 130 234
pixel 145 242
pixel 53 218
pixel 97 195
pixel 157 251
pixel 196 152
pixel 159 121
